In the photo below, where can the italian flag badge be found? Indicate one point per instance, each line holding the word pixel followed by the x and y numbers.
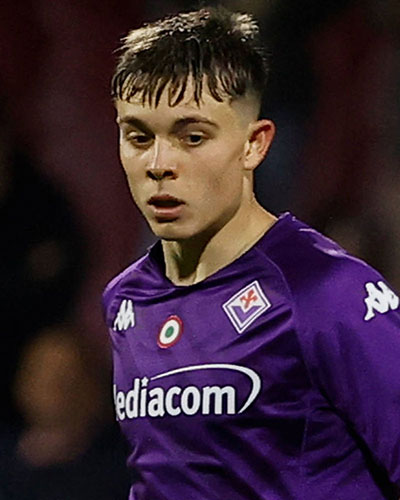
pixel 170 332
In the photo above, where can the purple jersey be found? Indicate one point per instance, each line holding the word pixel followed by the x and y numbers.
pixel 278 377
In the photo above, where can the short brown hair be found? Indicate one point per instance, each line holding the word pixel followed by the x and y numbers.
pixel 214 43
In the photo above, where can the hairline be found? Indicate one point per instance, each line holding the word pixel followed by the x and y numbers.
pixel 253 98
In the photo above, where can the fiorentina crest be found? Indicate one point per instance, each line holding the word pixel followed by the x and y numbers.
pixel 246 306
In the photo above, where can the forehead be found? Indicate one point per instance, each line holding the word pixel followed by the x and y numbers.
pixel 223 114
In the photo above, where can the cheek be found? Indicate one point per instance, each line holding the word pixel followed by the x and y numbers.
pixel 221 189
pixel 224 172
pixel 130 158
pixel 126 158
pixel 134 187
pixel 131 167
pixel 134 183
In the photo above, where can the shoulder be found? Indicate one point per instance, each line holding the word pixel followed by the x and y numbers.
pixel 125 286
pixel 115 283
pixel 320 275
pixel 346 313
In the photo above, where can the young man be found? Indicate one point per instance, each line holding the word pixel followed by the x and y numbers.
pixel 253 358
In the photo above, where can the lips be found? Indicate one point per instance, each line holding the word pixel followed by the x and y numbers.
pixel 166 207
pixel 164 200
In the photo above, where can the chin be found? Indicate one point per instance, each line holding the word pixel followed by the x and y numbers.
pixel 169 231
pixel 172 231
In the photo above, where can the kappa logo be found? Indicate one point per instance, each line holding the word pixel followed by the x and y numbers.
pixel 147 399
pixel 246 306
pixel 125 317
pixel 380 299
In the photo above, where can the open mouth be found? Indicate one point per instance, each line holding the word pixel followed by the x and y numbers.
pixel 164 201
pixel 165 207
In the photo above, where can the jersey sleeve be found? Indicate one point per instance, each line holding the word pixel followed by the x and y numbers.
pixel 352 348
pixel 107 298
pixel 109 303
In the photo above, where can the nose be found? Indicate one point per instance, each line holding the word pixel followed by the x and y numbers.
pixel 163 163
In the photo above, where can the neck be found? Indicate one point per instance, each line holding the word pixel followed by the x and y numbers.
pixel 190 261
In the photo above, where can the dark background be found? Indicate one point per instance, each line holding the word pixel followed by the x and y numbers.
pixel 67 222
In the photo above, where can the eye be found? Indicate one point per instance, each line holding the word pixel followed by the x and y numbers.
pixel 194 139
pixel 138 140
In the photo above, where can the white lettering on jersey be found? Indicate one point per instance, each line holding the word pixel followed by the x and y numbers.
pixel 142 401
pixel 125 317
pixel 380 299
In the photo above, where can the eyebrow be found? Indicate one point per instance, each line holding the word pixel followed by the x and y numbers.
pixel 135 122
pixel 178 124
pixel 183 122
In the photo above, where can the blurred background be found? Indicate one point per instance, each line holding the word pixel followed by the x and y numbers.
pixel 68 224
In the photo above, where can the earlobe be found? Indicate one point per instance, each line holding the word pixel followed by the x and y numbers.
pixel 261 135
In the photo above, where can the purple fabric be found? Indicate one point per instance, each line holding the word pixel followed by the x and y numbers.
pixel 276 386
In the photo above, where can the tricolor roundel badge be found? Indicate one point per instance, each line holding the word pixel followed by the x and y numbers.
pixel 170 332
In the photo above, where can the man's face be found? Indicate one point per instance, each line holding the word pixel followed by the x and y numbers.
pixel 184 164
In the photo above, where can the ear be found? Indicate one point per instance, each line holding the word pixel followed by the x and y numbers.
pixel 261 134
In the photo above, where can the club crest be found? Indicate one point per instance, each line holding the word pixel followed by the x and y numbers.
pixel 246 306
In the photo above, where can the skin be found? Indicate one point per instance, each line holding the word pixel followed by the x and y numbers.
pixel 205 156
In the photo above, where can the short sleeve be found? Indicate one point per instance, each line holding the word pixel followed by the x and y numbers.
pixel 352 347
